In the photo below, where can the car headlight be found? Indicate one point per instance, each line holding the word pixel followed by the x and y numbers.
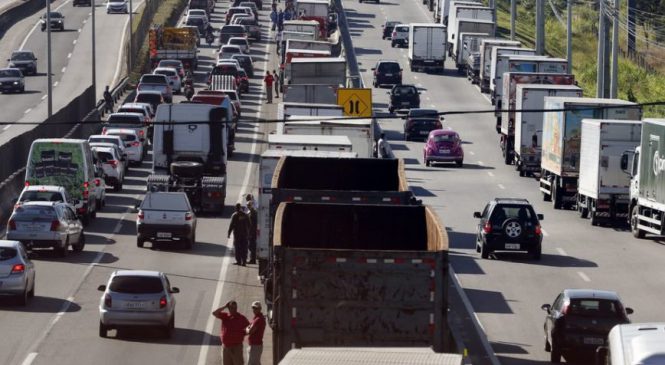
pixel 15 82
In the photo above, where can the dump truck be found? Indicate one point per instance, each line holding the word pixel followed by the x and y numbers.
pixel 486 47
pixel 359 131
pixel 603 190
pixel 169 43
pixel 369 356
pixel 371 276
pixel 560 158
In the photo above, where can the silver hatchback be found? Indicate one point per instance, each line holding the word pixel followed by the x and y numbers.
pixel 46 225
pixel 17 272
pixel 137 298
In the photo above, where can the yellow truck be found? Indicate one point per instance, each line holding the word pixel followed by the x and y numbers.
pixel 169 43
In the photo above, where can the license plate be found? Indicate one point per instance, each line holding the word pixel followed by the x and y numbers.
pixel 135 305
pixel 389 75
pixel 424 133
pixel 163 234
pixel 405 103
pixel 429 61
pixel 444 151
pixel 593 341
pixel 512 246
pixel 33 228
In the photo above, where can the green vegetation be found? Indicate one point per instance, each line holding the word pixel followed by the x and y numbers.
pixel 634 83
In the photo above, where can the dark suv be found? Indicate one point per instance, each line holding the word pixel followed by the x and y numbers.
pixel 403 97
pixel 387 73
pixel 580 320
pixel 509 225
pixel 388 28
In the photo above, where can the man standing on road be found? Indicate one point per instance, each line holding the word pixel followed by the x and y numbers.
pixel 240 228
pixel 273 18
pixel 108 100
pixel 253 226
pixel 381 149
pixel 234 325
pixel 268 80
pixel 275 78
pixel 278 41
pixel 255 339
pixel 280 20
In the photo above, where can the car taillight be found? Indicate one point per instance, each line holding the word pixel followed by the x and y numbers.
pixel 12 225
pixel 400 74
pixel 564 310
pixel 438 125
pixel 108 302
pixel 136 144
pixel 189 216
pixel 140 215
pixel 104 130
pixel 27 183
pixel 18 268
pixel 98 182
pixel 54 225
pixel 538 231
pixel 113 163
pixel 138 88
pixel 85 190
pixel 141 133
pixel 409 123
pixel 487 228
pixel 162 302
pixel 394 34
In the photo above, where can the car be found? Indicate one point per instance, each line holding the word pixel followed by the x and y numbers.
pixel 231 30
pixel 252 27
pixel 117 6
pixel 244 81
pixel 24 60
pixel 17 272
pixel 177 64
pixel 112 165
pixel 443 145
pixel 387 72
pixel 241 42
pixel 57 21
pixel 133 145
pixel 137 298
pixel 43 193
pixel 135 121
pixel 236 17
pixel 82 2
pixel 238 10
pixel 197 13
pixel 98 188
pixel 580 320
pixel 400 36
pixel 509 224
pixel 11 80
pixel 201 23
pixel 118 152
pixel 167 216
pixel 152 97
pixel 110 139
pixel 252 5
pixel 403 97
pixel 157 83
pixel 245 62
pixel 225 68
pixel 173 77
pixel 258 3
pixel 420 122
pixel 226 51
pixel 227 60
pixel 46 225
pixel 141 108
pixel 235 99
pixel 388 27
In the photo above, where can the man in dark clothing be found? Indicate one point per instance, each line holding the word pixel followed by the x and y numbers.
pixel 108 100
pixel 240 228
pixel 233 332
pixel 253 225
pixel 275 76
pixel 280 20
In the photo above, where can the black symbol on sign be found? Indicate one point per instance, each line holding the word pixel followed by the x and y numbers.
pixel 354 106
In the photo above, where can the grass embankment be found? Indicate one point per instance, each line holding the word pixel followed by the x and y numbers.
pixel 634 83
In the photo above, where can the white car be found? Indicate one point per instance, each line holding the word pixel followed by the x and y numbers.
pixel 132 143
pixel 172 76
pixel 100 139
pixel 135 121
pixel 235 98
pixel 201 13
pixel 117 6
pixel 43 193
pixel 99 187
pixel 226 51
pixel 228 60
pixel 241 42
pixel 112 164
pixel 166 216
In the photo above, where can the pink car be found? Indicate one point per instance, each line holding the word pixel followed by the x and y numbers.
pixel 443 145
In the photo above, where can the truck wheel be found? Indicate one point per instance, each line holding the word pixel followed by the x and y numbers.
pixel 187 169
pixel 637 233
pixel 139 242
pixel 584 211
pixel 556 197
pixel 484 251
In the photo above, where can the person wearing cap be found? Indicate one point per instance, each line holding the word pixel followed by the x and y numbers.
pixel 255 335
pixel 233 332
pixel 239 226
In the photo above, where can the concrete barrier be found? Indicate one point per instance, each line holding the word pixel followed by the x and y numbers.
pixel 17 12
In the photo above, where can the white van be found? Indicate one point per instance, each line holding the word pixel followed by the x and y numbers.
pixel 67 163
pixel 635 344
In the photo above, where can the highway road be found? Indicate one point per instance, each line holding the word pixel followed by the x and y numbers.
pixel 60 326
pixel 506 292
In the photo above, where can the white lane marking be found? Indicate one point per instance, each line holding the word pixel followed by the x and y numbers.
pixel 561 251
pixel 205 345
pixel 44 96
pixel 472 153
pixel 583 276
pixel 427 98
pixel 69 55
pixel 544 232
pixel 481 163
pixel 490 173
pixel 29 359
pixel 74 41
pixel 86 20
pixel 118 225
pixel 64 69
pixel 79 30
pixel 415 77
pixel 55 83
pixel 27 111
pixel 419 85
pixel 502 187
pixel 432 106
pixel 6 127
pixel 486 97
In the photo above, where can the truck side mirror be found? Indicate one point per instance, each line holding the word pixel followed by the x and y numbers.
pixel 601 355
pixel 624 162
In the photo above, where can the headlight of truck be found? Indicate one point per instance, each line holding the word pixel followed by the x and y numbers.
pixel 15 82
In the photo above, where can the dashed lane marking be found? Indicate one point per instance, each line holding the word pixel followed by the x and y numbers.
pixel 481 163
pixel 561 251
pixel 27 111
pixel 544 232
pixel 502 187
pixel 583 276
pixel 490 173
pixel 6 127
pixel 69 55
pixel 64 69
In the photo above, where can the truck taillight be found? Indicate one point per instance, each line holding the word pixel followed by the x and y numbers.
pixel 487 228
pixel 104 130
pixel 54 225
pixel 394 34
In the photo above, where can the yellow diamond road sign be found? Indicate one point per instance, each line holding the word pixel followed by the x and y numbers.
pixel 356 102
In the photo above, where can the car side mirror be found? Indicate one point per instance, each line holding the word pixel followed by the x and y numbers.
pixel 624 162
pixel 101 288
pixel 441 118
pixel 630 311
pixel 601 355
pixel 175 290
pixel 546 307
pixel 540 217
pixel 477 215
pixel 373 68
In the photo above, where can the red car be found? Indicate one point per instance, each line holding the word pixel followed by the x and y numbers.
pixel 443 145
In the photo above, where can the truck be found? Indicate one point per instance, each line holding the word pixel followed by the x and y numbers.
pixel 315 10
pixel 169 43
pixel 369 356
pixel 427 47
pixel 465 26
pixel 444 8
pixel 469 12
pixel 560 157
pixel 505 115
pixel 292 53
pixel 359 131
pixel 308 142
pixel 633 343
pixel 372 275
pixel 285 110
pixel 327 71
pixel 529 125
pixel 305 45
pixel 486 47
pixel 603 189
pixel 515 60
pixel 311 94
pixel 311 26
pixel 189 153
pixel 473 68
pixel 647 196
pixel 469 43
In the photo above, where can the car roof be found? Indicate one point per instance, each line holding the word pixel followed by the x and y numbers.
pixel 39 203
pixel 104 145
pixel 172 60
pixel 511 201
pixel 53 188
pixel 8 243
pixel 103 148
pixel 147 273
pixel 102 136
pixel 127 114
pixel 590 293
pixel 135 105
pixel 446 130
pixel 122 131
pixel 240 38
pixel 166 68
pixel 149 92
pixel 387 61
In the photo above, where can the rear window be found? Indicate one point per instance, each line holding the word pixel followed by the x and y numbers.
pixel 125 119
pixel 430 113
pixel 405 91
pixel 232 29
pixel 148 98
pixel 445 138
pixel 34 213
pixel 105 156
pixel 166 72
pixel 131 110
pixel 521 212
pixel 7 253
pixel 389 67
pixel 225 70
pixel 41 196
pixel 103 140
pixel 173 202
pixel 595 308
pixel 402 29
pixel 125 137
pixel 136 285
pixel 153 79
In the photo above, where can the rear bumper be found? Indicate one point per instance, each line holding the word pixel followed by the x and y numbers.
pixel 13 284
pixel 442 158
pixel 12 87
pixel 39 240
pixel 150 232
pixel 126 318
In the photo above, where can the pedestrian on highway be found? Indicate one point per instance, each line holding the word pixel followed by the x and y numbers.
pixel 280 20
pixel 108 100
pixel 250 198
pixel 255 335
pixel 273 17
pixel 288 14
pixel 233 331
pixel 253 227
pixel 268 80
pixel 381 147
pixel 278 41
pixel 240 228
pixel 276 78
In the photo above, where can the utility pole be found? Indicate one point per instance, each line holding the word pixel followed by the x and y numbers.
pixel 600 74
pixel 540 27
pixel 569 36
pixel 631 26
pixel 131 38
pixel 94 55
pixel 614 73
pixel 49 77
pixel 513 15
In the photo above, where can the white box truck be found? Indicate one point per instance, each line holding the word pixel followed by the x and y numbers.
pixel 308 93
pixel 445 8
pixel 427 47
pixel 464 25
pixel 469 45
pixel 359 131
pixel 486 47
pixel 285 110
pixel 603 189
pixel 327 71
pixel 634 343
pixel 463 11
pixel 309 143
pixel 516 60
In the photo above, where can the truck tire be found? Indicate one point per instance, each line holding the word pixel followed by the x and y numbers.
pixel 484 251
pixel 556 196
pixel 187 169
pixel 583 210
pixel 637 233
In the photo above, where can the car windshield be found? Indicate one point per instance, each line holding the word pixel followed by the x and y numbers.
pixel 10 73
pixel 41 196
pixel 136 285
pixel 164 201
pixel 520 212
pixel 53 15
pixel 406 90
pixel 241 59
pixel 153 79
pixel 124 137
pixel 105 156
pixel 103 140
pixel 430 113
pixel 22 56
pixel 445 137
pixel 594 308
pixel 7 253
pixel 225 70
pixel 389 67
pixel 34 213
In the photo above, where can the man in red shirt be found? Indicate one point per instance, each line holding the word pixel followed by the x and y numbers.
pixel 255 339
pixel 268 80
pixel 233 333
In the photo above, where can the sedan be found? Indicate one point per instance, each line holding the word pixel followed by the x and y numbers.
pixel 137 298
pixel 172 75
pixel 11 80
pixel 443 145
pixel 241 42
pixel 112 165
pixel 420 122
pixel 17 272
pixel 46 224
pixel 57 21
pixel 133 144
